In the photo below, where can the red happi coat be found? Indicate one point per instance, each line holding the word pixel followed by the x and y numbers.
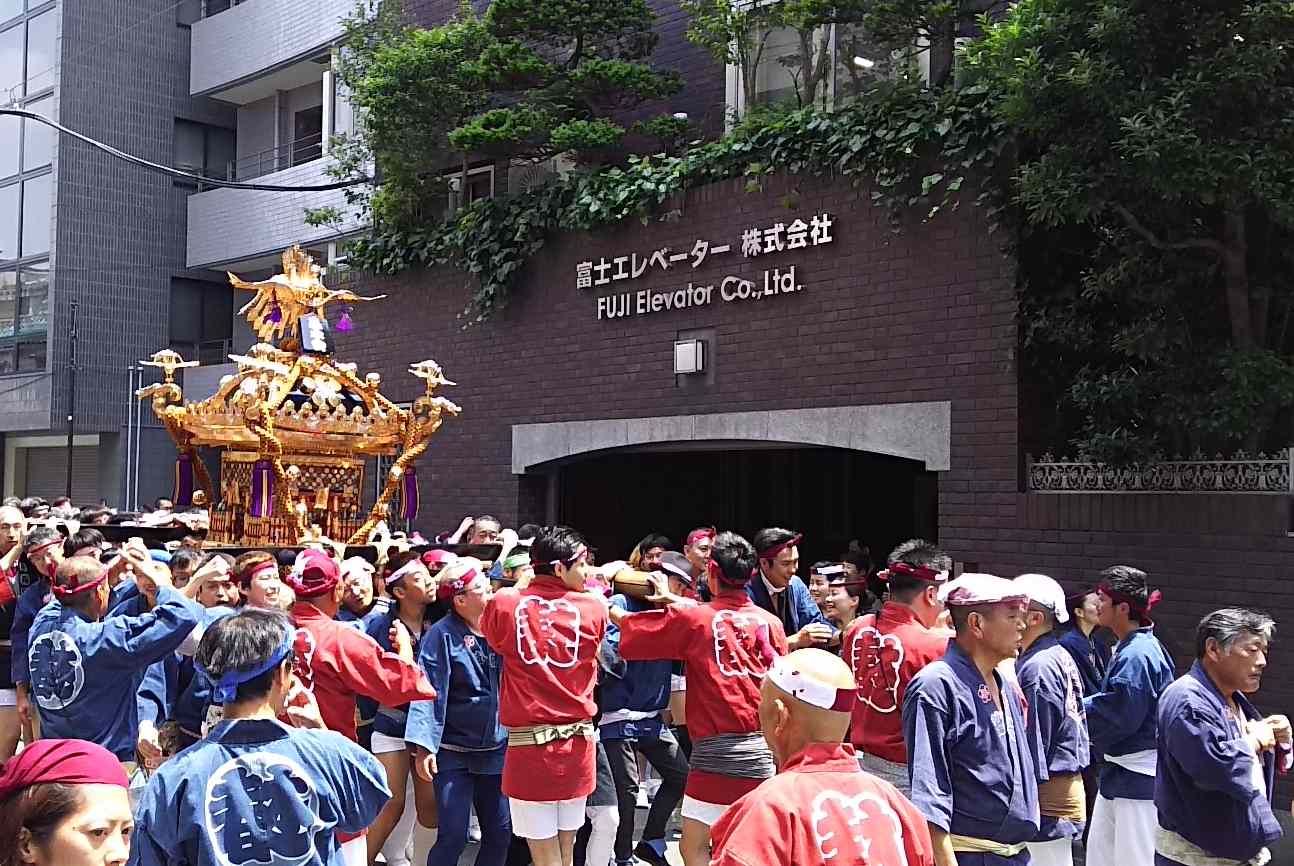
pixel 822 809
pixel 885 652
pixel 548 637
pixel 337 662
pixel 727 645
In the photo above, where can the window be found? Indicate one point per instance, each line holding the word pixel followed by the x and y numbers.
pixel 201 320
pixel 10 136
pixel 10 8
pixel 307 135
pixel 203 149
pixel 188 12
pixel 824 65
pixel 24 299
pixel 41 44
pixel 11 71
pixel 36 195
pixel 480 184
pixel 9 212
pixel 37 138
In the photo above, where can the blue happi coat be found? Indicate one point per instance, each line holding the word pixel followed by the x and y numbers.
pixel 1053 687
pixel 254 793
pixel 29 604
pixel 1122 718
pixel 800 609
pixel 640 687
pixel 1204 788
pixel 1091 655
pixel 389 721
pixel 464 671
pixel 173 690
pixel 972 767
pixel 85 675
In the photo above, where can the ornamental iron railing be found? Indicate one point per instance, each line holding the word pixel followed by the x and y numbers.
pixel 1241 473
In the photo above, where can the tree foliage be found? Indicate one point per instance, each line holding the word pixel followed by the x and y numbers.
pixel 555 74
pixel 1155 147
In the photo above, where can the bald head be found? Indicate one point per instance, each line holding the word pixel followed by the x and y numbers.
pixel 800 702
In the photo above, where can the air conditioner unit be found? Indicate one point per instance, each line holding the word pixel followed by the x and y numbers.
pixel 528 176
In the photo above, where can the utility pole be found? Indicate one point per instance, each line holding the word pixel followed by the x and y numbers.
pixel 71 397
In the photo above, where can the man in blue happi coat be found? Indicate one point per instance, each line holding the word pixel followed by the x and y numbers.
pixel 1053 687
pixel 1218 757
pixel 971 760
pixel 85 669
pixel 256 791
pixel 1122 720
pixel 777 589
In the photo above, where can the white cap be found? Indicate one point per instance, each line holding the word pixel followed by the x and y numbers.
pixel 972 588
pixel 1045 592
pixel 354 564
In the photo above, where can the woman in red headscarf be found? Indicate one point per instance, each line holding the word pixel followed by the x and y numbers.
pixel 64 803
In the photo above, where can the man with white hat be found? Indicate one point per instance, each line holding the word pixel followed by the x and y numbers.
pixel 1054 688
pixel 971 761
pixel 820 807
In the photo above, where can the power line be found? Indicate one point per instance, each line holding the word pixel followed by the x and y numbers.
pixel 175 172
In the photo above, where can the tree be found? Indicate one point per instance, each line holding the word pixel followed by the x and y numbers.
pixel 556 74
pixel 1154 142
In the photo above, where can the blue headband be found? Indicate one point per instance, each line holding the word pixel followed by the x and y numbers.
pixel 226 690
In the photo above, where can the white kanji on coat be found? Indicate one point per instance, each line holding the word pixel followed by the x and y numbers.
pixel 548 632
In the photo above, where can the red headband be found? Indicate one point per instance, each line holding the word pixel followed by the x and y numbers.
pixel 697 534
pixel 920 572
pixel 450 588
pixel 267 565
pixel 1135 607
pixel 771 553
pixel 68 762
pixel 78 588
pixel 58 539
pixel 712 569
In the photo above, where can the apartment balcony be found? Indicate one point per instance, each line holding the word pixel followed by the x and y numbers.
pixel 248 51
pixel 234 226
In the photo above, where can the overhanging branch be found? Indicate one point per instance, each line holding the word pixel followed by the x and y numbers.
pixel 1159 243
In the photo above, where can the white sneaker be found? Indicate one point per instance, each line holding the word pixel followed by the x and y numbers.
pixel 473 828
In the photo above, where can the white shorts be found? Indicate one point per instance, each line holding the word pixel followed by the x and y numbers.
pixel 8 698
pixel 382 744
pixel 535 820
pixel 699 810
pixel 355 852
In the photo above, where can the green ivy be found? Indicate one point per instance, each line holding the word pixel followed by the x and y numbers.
pixel 911 146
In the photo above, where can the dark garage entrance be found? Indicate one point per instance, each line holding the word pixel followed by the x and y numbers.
pixel 832 495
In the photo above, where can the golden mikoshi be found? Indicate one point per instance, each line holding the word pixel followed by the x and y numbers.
pixel 294 425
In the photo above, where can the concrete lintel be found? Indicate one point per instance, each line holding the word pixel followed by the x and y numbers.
pixel 915 431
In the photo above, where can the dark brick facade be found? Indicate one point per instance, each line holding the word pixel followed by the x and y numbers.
pixel 924 315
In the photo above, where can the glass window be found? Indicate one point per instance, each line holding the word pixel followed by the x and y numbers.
pixel 38 139
pixel 775 78
pixel 11 63
pixel 41 31
pixel 189 146
pixel 8 295
pixel 187 12
pixel 33 300
pixel 307 135
pixel 9 221
pixel 10 8
pixel 221 151
pixel 9 128
pixel 31 356
pixel 35 215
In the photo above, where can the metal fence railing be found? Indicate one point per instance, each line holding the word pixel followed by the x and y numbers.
pixel 270 160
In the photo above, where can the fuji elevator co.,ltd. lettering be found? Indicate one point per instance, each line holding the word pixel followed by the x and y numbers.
pixel 773 282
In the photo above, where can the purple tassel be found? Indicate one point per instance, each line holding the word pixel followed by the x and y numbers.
pixel 409 494
pixel 344 324
pixel 262 489
pixel 184 481
pixel 276 314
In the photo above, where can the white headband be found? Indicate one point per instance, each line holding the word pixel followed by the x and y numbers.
pixel 405 570
pixel 788 679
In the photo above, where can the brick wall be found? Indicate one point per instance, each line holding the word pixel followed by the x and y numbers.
pixel 921 316
pixel 924 315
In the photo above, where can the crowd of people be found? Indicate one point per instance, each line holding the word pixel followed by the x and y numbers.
pixel 171 705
